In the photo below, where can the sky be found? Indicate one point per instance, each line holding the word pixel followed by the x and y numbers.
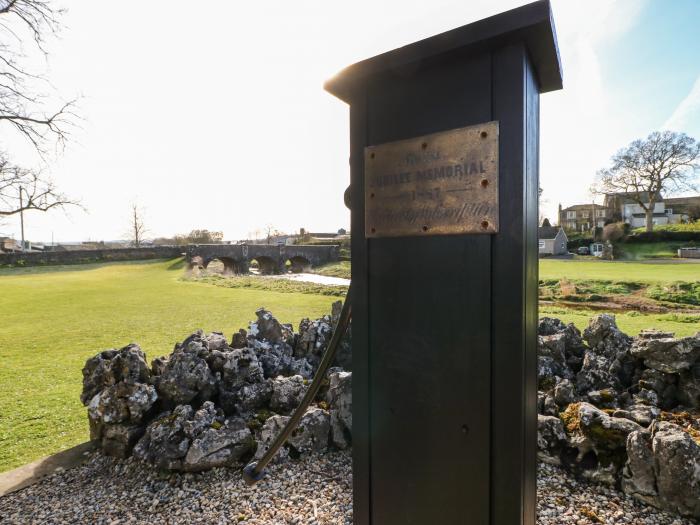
pixel 215 116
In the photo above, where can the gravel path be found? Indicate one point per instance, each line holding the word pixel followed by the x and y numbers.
pixel 316 490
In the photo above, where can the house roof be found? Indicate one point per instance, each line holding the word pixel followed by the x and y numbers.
pixel 630 197
pixel 547 232
pixel 577 207
pixel 682 202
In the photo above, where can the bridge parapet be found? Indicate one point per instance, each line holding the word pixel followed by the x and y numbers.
pixel 271 258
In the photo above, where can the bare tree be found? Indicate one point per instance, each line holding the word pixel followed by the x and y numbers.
pixel 137 226
pixel 22 190
pixel 664 161
pixel 23 104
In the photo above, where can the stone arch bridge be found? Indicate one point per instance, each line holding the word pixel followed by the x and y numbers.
pixel 271 259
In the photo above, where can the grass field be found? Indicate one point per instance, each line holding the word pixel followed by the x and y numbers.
pixel 619 271
pixel 54 318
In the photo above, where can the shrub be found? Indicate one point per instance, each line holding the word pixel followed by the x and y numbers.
pixel 614 232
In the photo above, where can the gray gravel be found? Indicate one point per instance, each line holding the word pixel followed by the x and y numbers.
pixel 561 499
pixel 316 490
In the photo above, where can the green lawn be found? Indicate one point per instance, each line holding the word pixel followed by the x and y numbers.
pixel 629 322
pixel 619 271
pixel 54 318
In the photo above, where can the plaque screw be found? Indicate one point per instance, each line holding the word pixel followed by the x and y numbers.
pixel 424 145
pixel 484 134
pixel 484 183
pixel 465 429
pixel 373 230
pixel 425 228
pixel 371 195
pixel 484 224
pixel 371 155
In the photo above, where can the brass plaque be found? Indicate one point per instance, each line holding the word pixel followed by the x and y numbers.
pixel 443 183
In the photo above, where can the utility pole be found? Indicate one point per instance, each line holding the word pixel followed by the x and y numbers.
pixel 21 215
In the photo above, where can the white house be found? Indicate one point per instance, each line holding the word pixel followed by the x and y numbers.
pixel 552 240
pixel 666 211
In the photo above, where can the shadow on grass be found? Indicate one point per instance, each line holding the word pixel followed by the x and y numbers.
pixel 177 264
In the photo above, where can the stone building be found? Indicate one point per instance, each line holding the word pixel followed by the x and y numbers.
pixel 584 217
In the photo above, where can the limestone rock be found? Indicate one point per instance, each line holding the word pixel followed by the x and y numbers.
pixel 663 385
pixel 186 377
pixel 269 431
pixel 239 339
pixel 253 396
pixel 118 440
pixel 599 440
pixel 311 435
pixel 668 354
pixel 275 359
pixel 664 469
pixel 122 403
pixel 339 398
pixel 219 445
pixel 168 437
pixel 551 359
pixel 287 393
pixel 216 341
pixel 165 442
pixel 111 367
pixel 241 368
pixel 267 328
pixel 564 393
pixel 551 439
pixel 604 337
pixel 688 391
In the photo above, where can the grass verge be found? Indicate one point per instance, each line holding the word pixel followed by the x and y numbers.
pixel 336 269
pixel 269 284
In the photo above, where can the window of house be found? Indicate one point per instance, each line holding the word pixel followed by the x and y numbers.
pixel 600 213
pixel 584 214
pixel 541 244
pixel 570 214
pixel 572 225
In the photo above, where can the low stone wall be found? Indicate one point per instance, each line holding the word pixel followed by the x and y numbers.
pixel 622 411
pixel 89 256
pixel 689 253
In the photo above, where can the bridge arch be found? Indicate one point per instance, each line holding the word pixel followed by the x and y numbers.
pixel 298 264
pixel 226 265
pixel 266 265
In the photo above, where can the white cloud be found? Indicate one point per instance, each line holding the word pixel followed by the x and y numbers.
pixel 686 116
